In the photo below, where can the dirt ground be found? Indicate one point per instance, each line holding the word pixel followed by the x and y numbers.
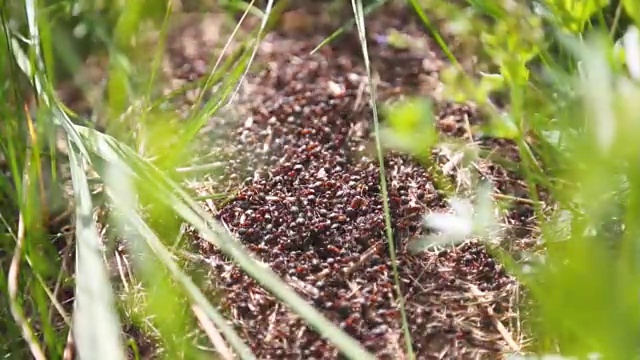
pixel 310 204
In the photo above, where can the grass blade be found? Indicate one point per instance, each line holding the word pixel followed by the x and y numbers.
pixel 36 74
pixel 349 25
pixel 359 18
pixel 436 35
pixel 12 284
pixel 94 296
pixel 233 77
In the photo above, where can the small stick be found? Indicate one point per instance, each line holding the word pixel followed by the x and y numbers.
pixel 69 348
pixel 119 265
pixel 516 199
pixel 506 335
pixel 272 323
pixel 214 335
pixel 12 280
pixel 361 89
pixel 363 258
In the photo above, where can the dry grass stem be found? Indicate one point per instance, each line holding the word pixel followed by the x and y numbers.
pixel 212 332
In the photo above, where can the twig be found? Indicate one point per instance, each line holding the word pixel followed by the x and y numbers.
pixel 363 259
pixel 62 217
pixel 506 335
pixel 467 126
pixel 120 269
pixel 514 303
pixel 322 274
pixel 507 197
pixel 361 90
pixel 272 324
pixel 516 199
pixel 63 268
pixel 214 335
pixel 69 348
pixel 201 168
pixel 12 279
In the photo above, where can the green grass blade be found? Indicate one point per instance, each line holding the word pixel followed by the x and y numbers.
pixel 229 76
pixel 44 91
pixel 436 35
pixel 359 18
pixel 348 25
pixel 94 296
pixel 15 305
pixel 157 59
pixel 209 81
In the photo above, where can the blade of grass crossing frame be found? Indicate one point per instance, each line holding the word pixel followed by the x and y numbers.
pixel 436 35
pixel 348 26
pixel 359 18
pixel 96 326
pixel 157 59
pixel 209 82
pixel 35 71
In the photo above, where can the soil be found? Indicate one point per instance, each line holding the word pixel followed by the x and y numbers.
pixel 310 205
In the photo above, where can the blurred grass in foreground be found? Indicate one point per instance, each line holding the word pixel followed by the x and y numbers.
pixel 571 86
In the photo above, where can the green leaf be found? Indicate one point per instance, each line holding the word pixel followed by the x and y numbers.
pixel 410 127
pixel 398 40
pixel 491 8
pixel 632 8
pixel 573 14
pixel 128 22
pixel 502 126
